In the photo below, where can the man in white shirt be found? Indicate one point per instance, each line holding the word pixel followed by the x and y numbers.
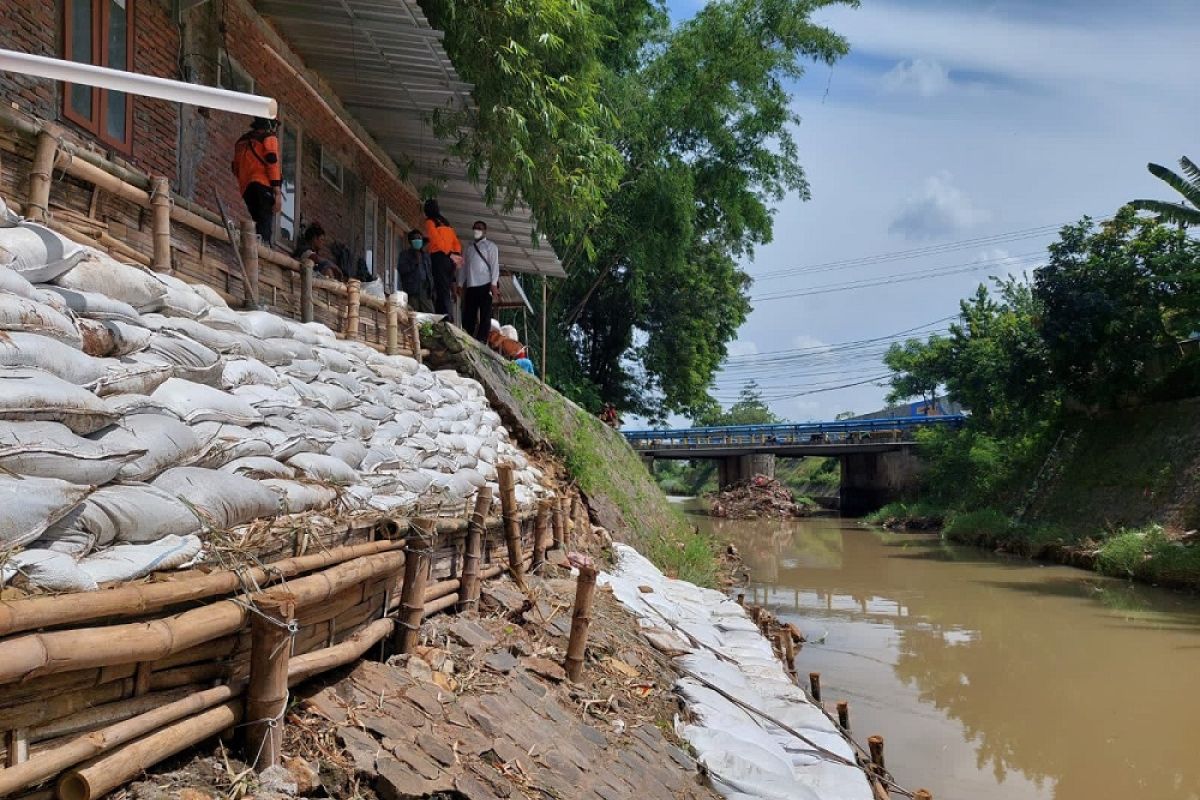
pixel 479 282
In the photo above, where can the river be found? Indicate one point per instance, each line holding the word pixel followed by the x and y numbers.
pixel 989 677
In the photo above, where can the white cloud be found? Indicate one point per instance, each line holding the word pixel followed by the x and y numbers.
pixel 809 343
pixel 918 76
pixel 938 210
pixel 742 347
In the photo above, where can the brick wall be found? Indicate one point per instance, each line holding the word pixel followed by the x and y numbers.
pixel 193 147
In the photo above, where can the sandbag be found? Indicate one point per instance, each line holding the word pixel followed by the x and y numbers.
pixel 219 341
pixel 52 450
pixel 129 376
pixel 224 318
pixel 225 443
pixel 95 339
pixel 29 316
pixel 129 562
pixel 99 272
pixel 317 419
pixel 36 253
pixel 125 513
pixel 46 569
pixel 128 339
pixel 259 467
pixel 192 360
pixel 222 499
pixel 194 402
pixel 268 351
pixel 247 372
pixel 94 305
pixel 343 379
pixel 50 355
pixel 165 442
pixel 324 468
pixel 12 282
pixel 355 424
pixel 180 300
pixel 264 325
pixel 268 401
pixel 333 360
pixel 297 497
pixel 28 506
pixel 300 332
pixel 33 394
pixel 349 451
pixel 293 348
pixel 210 295
pixel 125 404
pixel 303 369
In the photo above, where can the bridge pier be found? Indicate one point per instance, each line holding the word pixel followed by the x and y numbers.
pixel 872 480
pixel 648 462
pixel 735 469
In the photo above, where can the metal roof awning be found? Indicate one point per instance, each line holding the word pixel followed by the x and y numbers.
pixel 512 295
pixel 389 70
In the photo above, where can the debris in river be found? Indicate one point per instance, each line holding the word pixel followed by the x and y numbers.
pixel 758 497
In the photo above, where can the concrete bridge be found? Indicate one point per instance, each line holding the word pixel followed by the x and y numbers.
pixel 876 456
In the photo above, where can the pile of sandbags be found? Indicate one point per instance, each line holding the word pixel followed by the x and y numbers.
pixel 139 413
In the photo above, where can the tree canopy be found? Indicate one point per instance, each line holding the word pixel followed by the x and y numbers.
pixel 651 155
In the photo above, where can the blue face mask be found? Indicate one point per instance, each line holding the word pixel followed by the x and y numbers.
pixel 417 244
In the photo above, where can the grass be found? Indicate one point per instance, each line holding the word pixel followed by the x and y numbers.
pixel 912 516
pixel 984 525
pixel 1148 554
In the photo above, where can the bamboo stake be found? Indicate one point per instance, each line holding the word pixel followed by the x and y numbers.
pixel 876 745
pixel 39 177
pixel 160 203
pixel 114 769
pixel 393 324
pixel 789 652
pixel 581 618
pixel 512 530
pixel 271 632
pixel 250 263
pixel 140 599
pixel 306 289
pixel 814 681
pixel 922 794
pixel 353 293
pixel 559 519
pixel 843 712
pixel 473 549
pixel 414 332
pixel 412 599
pixel 540 526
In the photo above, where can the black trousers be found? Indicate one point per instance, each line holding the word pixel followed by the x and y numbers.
pixel 477 311
pixel 443 280
pixel 260 202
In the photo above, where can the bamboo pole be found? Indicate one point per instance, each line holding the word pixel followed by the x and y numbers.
pixel 77 167
pixel 875 743
pixel 412 598
pixel 814 682
pixel 843 712
pixel 441 604
pixel 44 157
pixel 107 714
pixel 271 632
pixel 414 332
pixel 922 794
pixel 110 771
pixel 139 599
pixel 160 203
pixel 353 292
pixel 34 654
pixel 581 619
pixel 541 526
pixel 393 324
pixel 558 518
pixel 250 262
pixel 473 550
pixel 306 289
pixel 303 667
pixel 512 529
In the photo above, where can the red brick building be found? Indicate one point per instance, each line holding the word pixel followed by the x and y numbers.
pixel 355 82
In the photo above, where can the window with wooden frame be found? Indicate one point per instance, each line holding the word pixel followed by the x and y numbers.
pixel 289 163
pixel 99 32
pixel 369 232
pixel 331 169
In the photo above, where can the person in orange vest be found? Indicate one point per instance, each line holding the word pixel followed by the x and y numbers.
pixel 445 255
pixel 260 175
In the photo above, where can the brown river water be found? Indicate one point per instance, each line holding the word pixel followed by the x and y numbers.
pixel 988 677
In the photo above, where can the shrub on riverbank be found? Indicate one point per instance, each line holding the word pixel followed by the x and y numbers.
pixel 1149 554
pixel 909 516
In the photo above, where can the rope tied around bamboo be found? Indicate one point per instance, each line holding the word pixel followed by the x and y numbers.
pixel 512 524
pixel 581 620
pixel 417 557
pixel 272 630
pixel 473 550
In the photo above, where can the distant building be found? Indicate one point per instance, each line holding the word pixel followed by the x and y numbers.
pixel 941 406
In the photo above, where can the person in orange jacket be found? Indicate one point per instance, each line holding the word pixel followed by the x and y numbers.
pixel 259 174
pixel 445 255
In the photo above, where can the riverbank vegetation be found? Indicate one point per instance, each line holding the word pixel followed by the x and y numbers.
pixel 1081 440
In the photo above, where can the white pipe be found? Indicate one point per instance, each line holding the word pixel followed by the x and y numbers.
pixel 132 83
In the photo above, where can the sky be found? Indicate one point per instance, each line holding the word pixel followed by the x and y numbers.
pixel 950 127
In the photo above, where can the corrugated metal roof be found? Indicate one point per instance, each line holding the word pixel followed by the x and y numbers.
pixel 389 70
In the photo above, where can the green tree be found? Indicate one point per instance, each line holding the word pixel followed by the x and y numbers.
pixel 750 409
pixel 1186 213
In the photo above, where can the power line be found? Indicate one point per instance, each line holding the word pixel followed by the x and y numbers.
pixel 833 346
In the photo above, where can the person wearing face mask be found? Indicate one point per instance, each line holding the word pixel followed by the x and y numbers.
pixel 479 283
pixel 416 273
pixel 445 255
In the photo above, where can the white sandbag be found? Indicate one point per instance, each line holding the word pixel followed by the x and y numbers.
pixel 355 498
pixel 33 394
pixel 210 295
pixel 96 340
pixel 297 497
pixel 355 424
pixel 264 325
pixel 124 405
pixel 293 348
pixel 214 339
pixel 248 372
pixel 321 330
pixel 303 369
pixel 333 360
pixel 180 299
pixel 393 503
pixel 375 412
pixel 50 355
pixel 349 451
pixel 94 305
pixel 28 506
pixel 129 562
pixel 224 318
pixel 221 499
pixel 268 401
pixel 317 419
pixel 194 402
pixel 225 443
pixel 127 339
pixel 12 282
pixel 36 253
pixel 334 398
pixel 46 569
pixel 416 481
pixel 300 332
pixel 343 379
pixel 324 468
pixel 129 376
pixel 29 316
pixel 165 441
pixel 52 450
pixel 134 513
pixel 268 351
pixel 259 467
pixel 99 272
pixel 192 360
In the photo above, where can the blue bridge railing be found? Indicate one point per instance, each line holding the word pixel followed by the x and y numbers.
pixel 844 431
